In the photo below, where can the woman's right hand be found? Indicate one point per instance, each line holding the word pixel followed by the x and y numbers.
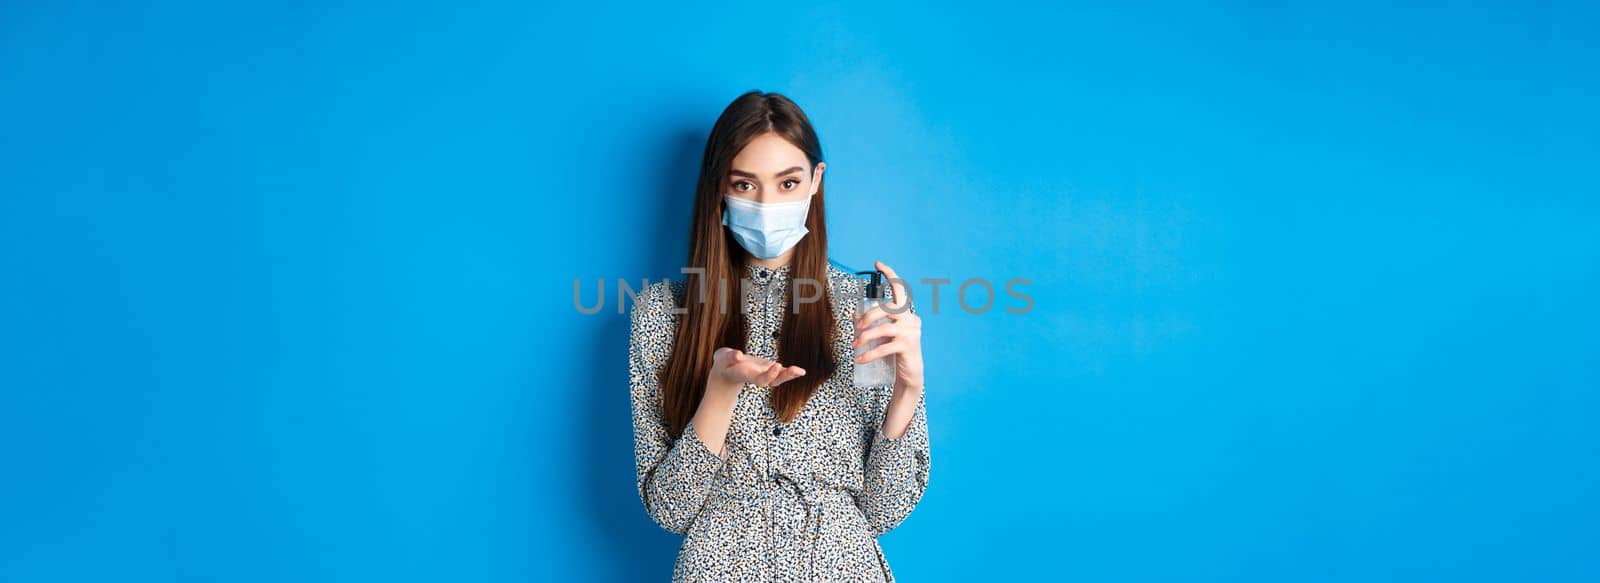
pixel 732 368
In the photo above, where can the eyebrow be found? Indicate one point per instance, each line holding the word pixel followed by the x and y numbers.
pixel 752 175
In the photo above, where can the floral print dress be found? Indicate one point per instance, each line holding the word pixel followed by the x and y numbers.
pixel 803 501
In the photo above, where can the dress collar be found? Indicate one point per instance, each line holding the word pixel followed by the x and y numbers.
pixel 759 274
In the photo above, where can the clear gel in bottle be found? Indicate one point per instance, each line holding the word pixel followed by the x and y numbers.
pixel 879 372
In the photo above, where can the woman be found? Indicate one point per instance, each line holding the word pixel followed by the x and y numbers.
pixel 750 437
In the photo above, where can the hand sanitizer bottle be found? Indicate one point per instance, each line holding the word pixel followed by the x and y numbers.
pixel 879 372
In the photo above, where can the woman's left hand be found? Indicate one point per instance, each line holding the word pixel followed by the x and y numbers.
pixel 902 334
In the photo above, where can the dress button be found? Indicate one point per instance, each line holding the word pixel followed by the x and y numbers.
pixel 775 334
pixel 776 431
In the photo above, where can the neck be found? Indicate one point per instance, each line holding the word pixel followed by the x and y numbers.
pixel 773 263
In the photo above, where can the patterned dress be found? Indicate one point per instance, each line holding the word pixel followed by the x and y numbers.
pixel 803 501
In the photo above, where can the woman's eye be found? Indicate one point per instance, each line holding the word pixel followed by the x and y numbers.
pixel 796 182
pixel 740 185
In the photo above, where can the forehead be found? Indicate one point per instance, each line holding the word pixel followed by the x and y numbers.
pixel 768 154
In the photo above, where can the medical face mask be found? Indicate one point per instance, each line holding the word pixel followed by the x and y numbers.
pixel 766 230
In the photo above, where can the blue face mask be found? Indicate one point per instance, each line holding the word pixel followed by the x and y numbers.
pixel 766 230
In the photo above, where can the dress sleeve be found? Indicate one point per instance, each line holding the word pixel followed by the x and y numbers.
pixel 674 475
pixel 896 469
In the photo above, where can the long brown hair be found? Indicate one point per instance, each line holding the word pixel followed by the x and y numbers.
pixel 806 333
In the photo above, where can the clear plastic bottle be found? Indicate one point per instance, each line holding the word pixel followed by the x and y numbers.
pixel 879 372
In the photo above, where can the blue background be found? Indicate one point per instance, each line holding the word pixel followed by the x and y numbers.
pixel 287 290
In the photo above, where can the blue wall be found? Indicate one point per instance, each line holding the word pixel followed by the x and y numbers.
pixel 287 291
